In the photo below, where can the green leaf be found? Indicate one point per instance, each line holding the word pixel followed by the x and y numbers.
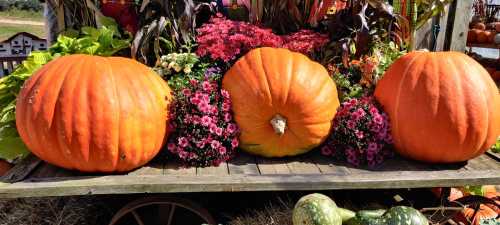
pixel 12 148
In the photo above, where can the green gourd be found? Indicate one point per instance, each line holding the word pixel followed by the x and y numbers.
pixel 399 215
pixel 318 209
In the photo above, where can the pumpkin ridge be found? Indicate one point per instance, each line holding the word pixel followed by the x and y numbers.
pixel 467 113
pixel 144 105
pixel 61 125
pixel 398 95
pixel 45 87
pixel 459 101
pixel 151 96
pixel 268 83
pixel 21 109
pixel 136 128
pixel 484 139
pixel 76 126
pixel 111 75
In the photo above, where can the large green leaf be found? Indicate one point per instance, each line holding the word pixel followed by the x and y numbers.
pixel 12 148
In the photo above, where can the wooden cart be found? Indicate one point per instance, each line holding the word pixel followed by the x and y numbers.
pixel 35 178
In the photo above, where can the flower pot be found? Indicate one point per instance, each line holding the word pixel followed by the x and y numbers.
pixel 123 11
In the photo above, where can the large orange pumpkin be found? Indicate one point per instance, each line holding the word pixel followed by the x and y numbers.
pixel 93 113
pixel 283 102
pixel 443 107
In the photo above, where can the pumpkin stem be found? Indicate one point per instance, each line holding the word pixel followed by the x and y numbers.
pixel 279 124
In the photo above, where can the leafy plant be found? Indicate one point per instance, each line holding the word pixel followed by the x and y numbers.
pixel 103 41
pixel 355 29
pixel 496 146
pixel 166 26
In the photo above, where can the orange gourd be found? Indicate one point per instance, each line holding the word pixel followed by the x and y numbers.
pixel 483 36
pixel 283 102
pixel 94 114
pixel 479 26
pixel 443 106
pixel 472 35
pixel 484 212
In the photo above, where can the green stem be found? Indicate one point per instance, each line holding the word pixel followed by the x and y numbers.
pixel 346 214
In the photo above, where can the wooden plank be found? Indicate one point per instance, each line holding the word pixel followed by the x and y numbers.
pixel 124 184
pixel 221 170
pixel 458 25
pixel 153 168
pixel 174 167
pixel 482 162
pixel 22 169
pixel 273 166
pixel 243 164
pixel 443 22
pixel 329 166
pixel 303 165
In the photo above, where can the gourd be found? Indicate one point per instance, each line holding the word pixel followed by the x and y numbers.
pixel 472 35
pixel 479 26
pixel 483 37
pixel 399 215
pixel 94 114
pixel 283 102
pixel 443 106
pixel 318 209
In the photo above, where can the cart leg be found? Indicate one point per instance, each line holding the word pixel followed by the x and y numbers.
pixel 167 209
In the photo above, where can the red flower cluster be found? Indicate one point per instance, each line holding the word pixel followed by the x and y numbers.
pixel 224 39
pixel 206 134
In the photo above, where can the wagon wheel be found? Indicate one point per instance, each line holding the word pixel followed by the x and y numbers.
pixel 162 211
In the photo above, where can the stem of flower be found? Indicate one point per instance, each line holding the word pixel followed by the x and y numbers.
pixel 279 124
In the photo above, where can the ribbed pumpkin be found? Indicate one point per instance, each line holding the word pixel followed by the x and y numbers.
pixel 283 102
pixel 443 107
pixel 93 113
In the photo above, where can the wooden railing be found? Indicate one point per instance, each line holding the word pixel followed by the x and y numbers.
pixel 9 63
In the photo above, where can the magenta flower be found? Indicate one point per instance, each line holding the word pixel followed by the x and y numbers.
pixel 199 137
pixel 186 92
pixel 326 150
pixel 206 121
pixel 207 86
pixel 227 117
pixel 361 131
pixel 171 147
pixel 215 144
pixel 226 107
pixel 235 142
pixel 224 93
pixel 183 142
pixel 219 131
pixel 222 150
pixel 232 128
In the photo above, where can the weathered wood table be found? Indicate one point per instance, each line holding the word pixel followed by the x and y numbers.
pixel 33 178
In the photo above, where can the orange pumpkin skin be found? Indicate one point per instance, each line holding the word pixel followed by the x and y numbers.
pixel 472 35
pixel 94 114
pixel 443 107
pixel 479 26
pixel 483 36
pixel 269 85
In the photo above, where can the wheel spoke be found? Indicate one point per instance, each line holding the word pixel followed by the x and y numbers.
pixel 137 217
pixel 171 215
